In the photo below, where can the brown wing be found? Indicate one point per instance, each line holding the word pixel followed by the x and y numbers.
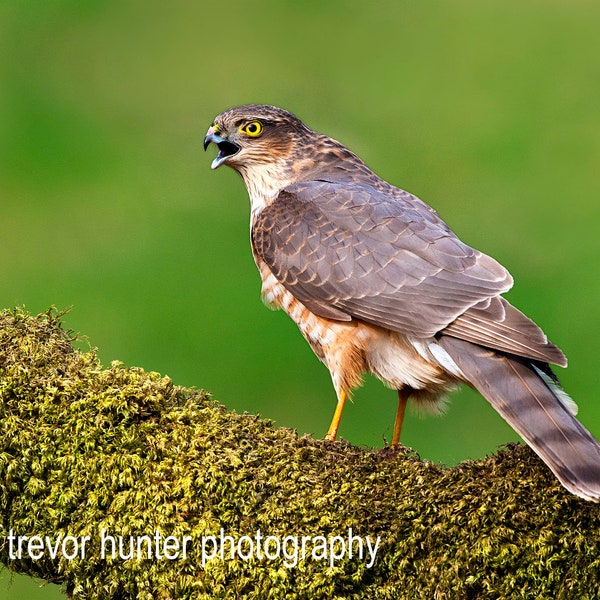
pixel 373 256
pixel 495 323
pixel 383 256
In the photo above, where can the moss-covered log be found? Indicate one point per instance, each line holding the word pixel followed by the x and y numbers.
pixel 87 451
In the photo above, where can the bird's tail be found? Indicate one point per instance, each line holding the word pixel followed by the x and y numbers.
pixel 537 409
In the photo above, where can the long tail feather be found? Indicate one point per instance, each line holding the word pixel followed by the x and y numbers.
pixel 535 410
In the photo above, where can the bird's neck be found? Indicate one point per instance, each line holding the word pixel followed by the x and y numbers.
pixel 264 182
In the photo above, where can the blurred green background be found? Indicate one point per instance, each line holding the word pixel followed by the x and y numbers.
pixel 489 111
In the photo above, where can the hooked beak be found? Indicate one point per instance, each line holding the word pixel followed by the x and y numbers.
pixel 226 148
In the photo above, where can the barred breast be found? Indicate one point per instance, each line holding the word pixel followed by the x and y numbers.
pixel 351 348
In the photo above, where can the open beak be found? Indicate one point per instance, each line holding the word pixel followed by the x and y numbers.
pixel 226 148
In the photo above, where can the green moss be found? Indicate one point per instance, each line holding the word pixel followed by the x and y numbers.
pixel 83 448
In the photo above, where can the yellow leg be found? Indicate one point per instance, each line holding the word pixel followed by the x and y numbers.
pixel 337 417
pixel 402 400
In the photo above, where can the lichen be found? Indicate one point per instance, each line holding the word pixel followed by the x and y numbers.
pixel 86 449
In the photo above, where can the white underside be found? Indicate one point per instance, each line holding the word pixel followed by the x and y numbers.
pixel 389 361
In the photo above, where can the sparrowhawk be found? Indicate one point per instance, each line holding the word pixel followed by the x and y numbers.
pixel 378 283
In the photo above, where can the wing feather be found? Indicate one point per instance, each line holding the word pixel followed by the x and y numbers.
pixel 373 255
pixel 498 324
pixel 379 254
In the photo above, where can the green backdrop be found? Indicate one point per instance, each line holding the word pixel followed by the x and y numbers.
pixel 489 111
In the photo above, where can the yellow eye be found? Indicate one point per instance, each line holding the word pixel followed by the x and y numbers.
pixel 252 128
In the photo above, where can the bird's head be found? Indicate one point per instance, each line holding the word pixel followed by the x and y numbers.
pixel 272 149
pixel 254 135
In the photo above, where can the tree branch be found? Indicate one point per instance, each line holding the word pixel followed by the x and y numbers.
pixel 118 452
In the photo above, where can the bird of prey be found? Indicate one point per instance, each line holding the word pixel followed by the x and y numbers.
pixel 378 283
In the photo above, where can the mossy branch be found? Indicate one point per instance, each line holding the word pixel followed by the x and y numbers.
pixel 85 449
